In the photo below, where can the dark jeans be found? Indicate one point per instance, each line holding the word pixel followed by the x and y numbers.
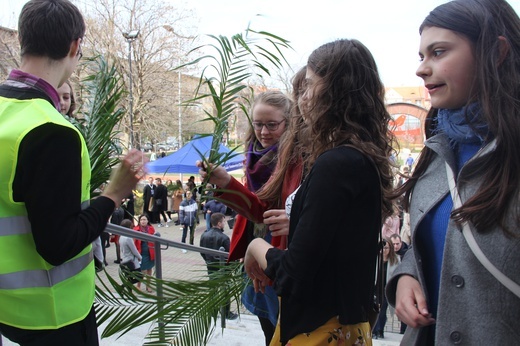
pixel 403 328
pixel 267 328
pixel 82 333
pixel 158 215
pixel 381 319
pixel 185 233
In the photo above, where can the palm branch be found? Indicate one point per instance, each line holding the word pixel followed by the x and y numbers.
pixel 234 62
pixel 102 93
pixel 185 312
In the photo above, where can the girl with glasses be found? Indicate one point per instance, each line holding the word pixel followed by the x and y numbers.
pixel 269 113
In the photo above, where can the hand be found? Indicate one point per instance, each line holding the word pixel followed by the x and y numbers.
pixel 125 176
pixel 277 222
pixel 410 305
pixel 255 272
pixel 219 176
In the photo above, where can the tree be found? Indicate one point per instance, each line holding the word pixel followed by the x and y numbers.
pixel 9 51
pixel 165 35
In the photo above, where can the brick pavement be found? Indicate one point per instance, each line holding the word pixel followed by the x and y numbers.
pixel 175 264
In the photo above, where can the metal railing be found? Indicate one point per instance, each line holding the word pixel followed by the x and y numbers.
pixel 158 243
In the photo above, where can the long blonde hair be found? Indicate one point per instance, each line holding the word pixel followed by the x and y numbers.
pixel 290 147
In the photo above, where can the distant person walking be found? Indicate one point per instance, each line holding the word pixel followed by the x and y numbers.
pixel 148 193
pixel 188 217
pixel 211 207
pixel 146 249
pixel 409 162
pixel 160 203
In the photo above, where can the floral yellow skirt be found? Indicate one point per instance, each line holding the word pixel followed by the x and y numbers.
pixel 330 334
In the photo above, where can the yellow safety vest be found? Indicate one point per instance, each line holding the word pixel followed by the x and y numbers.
pixel 33 293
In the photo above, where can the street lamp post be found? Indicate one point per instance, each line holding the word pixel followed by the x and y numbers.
pixel 170 29
pixel 130 37
pixel 180 109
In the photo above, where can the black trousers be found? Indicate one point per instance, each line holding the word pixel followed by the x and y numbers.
pixel 82 333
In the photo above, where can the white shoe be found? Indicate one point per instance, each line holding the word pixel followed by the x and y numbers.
pixel 184 251
pixel 166 225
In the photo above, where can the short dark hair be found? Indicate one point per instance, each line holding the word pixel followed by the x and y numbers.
pixel 127 223
pixel 216 218
pixel 395 235
pixel 48 27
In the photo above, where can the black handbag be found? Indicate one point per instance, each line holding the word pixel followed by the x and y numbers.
pixel 128 265
pixel 130 272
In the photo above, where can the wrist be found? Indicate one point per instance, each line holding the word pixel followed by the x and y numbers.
pixel 115 199
pixel 224 181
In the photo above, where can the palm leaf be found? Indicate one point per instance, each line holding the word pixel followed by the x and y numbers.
pixel 102 92
pixel 185 314
pixel 235 61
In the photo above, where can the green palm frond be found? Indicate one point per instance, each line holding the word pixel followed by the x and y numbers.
pixel 102 90
pixel 185 314
pixel 235 62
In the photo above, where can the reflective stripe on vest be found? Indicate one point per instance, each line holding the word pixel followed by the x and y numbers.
pixel 45 278
pixel 14 225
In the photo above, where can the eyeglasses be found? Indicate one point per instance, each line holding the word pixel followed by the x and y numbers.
pixel 270 126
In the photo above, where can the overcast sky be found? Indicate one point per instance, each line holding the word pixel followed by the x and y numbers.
pixel 389 28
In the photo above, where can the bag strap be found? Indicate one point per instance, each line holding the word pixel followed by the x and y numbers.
pixel 470 239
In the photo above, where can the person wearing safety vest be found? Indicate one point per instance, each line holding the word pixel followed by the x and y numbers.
pixel 47 222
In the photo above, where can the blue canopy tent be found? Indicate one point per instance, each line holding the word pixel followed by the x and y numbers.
pixel 183 160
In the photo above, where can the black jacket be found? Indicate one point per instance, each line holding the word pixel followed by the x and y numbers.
pixel 214 239
pixel 328 269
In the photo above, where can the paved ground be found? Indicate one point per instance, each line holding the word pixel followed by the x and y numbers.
pixel 244 331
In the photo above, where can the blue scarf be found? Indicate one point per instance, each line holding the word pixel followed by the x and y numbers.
pixel 465 140
pixel 464 125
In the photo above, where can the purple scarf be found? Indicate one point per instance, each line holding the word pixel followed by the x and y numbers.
pixel 260 164
pixel 20 79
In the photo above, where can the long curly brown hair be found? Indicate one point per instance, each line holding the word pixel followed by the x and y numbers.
pixel 349 108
